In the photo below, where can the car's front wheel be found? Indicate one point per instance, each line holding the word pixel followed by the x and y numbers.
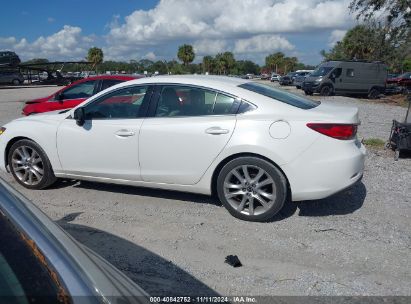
pixel 30 165
pixel 326 90
pixel 252 189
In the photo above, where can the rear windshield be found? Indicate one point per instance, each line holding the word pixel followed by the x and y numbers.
pixel 288 98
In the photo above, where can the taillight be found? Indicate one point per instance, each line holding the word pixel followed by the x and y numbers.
pixel 338 131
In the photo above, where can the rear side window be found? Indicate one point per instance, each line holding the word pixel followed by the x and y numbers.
pixel 276 94
pixel 109 83
pixel 350 73
pixel 192 101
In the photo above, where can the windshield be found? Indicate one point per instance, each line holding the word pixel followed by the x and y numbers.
pixel 405 75
pixel 321 71
pixel 288 98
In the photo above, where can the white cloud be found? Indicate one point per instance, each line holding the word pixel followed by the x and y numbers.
pixel 150 56
pixel 209 46
pixel 68 43
pixel 248 28
pixel 219 20
pixel 336 35
pixel 262 44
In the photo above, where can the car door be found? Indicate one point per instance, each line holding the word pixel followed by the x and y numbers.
pixel 73 95
pixel 187 129
pixel 106 146
pixel 337 80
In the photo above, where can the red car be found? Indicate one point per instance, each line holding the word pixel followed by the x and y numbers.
pixel 404 80
pixel 74 94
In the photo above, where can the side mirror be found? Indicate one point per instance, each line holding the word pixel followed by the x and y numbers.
pixel 60 97
pixel 80 116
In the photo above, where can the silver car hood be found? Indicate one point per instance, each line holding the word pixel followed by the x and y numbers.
pixel 84 275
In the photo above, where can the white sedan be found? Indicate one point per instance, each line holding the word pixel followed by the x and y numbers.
pixel 251 144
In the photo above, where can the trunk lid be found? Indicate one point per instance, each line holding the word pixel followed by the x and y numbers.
pixel 329 113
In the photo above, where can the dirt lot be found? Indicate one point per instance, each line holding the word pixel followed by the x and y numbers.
pixel 354 243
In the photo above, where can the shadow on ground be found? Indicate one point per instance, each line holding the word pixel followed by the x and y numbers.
pixel 157 276
pixel 345 202
pixel 156 193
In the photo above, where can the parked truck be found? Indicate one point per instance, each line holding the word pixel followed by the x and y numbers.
pixel 347 78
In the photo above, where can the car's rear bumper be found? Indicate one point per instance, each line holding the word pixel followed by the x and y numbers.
pixel 321 172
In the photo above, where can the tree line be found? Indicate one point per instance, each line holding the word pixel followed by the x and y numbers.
pixel 383 35
pixel 223 63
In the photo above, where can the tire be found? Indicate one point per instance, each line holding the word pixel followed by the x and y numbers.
pixel 326 90
pixel 30 165
pixel 298 87
pixel 250 194
pixel 396 155
pixel 308 93
pixel 373 94
pixel 15 82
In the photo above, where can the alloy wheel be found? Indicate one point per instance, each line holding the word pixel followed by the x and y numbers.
pixel 250 190
pixel 27 165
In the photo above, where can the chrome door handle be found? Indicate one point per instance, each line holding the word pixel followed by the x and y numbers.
pixel 125 133
pixel 216 131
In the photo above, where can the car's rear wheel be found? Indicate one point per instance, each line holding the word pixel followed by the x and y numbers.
pixel 373 94
pixel 252 189
pixel 30 165
pixel 15 82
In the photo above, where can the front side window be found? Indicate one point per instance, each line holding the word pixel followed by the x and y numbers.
pixel 337 72
pixel 279 95
pixel 124 103
pixel 192 101
pixel 82 90
pixel 23 273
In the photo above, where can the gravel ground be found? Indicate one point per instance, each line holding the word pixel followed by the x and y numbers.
pixel 354 243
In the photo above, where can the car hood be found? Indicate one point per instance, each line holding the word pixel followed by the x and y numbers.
pixel 85 272
pixel 52 115
pixel 39 100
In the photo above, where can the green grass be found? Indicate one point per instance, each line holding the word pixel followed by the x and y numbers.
pixel 374 142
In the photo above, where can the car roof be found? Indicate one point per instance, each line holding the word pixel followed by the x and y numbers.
pixel 217 82
pixel 119 77
pixel 108 77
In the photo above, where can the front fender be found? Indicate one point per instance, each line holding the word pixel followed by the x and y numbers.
pixel 41 132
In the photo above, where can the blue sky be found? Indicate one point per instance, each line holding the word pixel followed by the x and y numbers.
pixel 136 29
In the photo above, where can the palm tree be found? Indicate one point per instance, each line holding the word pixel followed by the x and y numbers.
pixel 274 61
pixel 208 64
pixel 224 61
pixel 96 56
pixel 186 54
pixel 290 63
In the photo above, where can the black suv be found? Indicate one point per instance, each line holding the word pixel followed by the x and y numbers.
pixel 8 58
